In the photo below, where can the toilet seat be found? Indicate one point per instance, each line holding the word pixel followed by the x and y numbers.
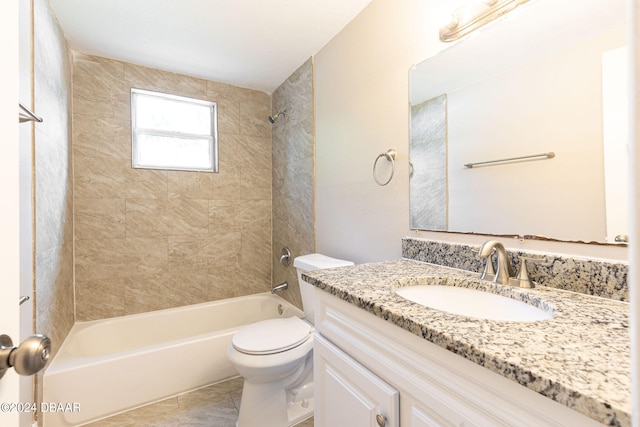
pixel 272 336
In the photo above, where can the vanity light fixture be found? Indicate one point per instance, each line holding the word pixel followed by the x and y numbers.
pixel 474 15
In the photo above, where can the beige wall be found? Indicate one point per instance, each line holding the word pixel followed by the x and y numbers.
pixel 361 87
pixel 153 239
pixel 293 175
pixel 361 90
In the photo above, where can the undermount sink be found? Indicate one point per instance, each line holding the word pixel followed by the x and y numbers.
pixel 473 303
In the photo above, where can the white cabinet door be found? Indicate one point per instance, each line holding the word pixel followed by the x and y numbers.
pixel 349 395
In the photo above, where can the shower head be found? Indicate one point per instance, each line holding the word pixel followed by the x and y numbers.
pixel 275 117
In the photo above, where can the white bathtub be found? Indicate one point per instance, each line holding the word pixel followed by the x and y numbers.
pixel 105 367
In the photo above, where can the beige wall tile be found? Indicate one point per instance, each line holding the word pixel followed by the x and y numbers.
pixel 191 185
pixel 185 232
pixel 99 218
pixel 228 116
pixel 98 87
pixel 256 241
pixel 116 258
pixel 84 64
pixel 245 151
pixel 87 105
pixel 100 299
pixel 146 183
pixel 101 137
pixel 223 215
pixel 255 183
pixel 253 212
pixel 188 287
pixel 100 177
pixel 146 78
pixel 195 253
pixel 148 217
pixel 166 217
pixel 226 184
pixel 217 91
pixel 227 98
pixel 255 119
pixel 228 215
pixel 227 282
pixel 250 96
pixel 188 216
pixel 146 293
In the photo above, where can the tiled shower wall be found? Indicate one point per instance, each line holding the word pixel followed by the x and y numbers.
pixel 293 175
pixel 154 239
pixel 53 309
pixel 428 152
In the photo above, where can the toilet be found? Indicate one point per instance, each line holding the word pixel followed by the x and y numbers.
pixel 275 357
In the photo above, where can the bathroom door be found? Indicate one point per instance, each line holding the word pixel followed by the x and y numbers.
pixel 15 196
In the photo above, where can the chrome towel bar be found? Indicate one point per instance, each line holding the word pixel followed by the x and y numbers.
pixel 549 155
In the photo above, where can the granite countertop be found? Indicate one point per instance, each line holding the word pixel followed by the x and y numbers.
pixel 579 358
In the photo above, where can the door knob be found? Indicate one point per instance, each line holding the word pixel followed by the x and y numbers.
pixel 381 420
pixel 28 358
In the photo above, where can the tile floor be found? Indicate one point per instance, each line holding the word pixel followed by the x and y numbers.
pixel 213 406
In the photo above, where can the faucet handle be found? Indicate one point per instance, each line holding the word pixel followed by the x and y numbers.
pixel 523 275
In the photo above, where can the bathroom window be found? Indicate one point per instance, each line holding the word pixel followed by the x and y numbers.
pixel 173 132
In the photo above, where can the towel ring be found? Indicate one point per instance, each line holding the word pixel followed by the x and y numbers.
pixel 390 155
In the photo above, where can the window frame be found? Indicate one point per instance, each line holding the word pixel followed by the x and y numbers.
pixel 135 131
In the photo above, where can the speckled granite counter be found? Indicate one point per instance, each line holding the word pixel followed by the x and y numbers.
pixel 580 357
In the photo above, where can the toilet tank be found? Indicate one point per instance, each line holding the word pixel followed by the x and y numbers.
pixel 312 262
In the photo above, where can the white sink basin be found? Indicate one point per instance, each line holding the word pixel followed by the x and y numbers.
pixel 472 303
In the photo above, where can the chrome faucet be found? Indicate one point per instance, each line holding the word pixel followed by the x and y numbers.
pixel 281 287
pixel 504 270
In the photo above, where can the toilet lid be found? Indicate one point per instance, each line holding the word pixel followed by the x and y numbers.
pixel 271 336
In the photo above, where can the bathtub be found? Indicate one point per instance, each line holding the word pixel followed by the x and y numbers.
pixel 109 366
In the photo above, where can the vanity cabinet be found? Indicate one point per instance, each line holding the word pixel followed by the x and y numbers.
pixel 364 364
pixel 348 393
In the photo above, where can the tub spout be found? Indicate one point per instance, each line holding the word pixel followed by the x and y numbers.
pixel 281 287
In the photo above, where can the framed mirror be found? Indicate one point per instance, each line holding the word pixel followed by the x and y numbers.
pixel 548 78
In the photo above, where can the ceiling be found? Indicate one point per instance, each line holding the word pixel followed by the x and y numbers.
pixel 255 44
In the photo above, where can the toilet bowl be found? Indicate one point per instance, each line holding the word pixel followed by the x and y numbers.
pixel 275 357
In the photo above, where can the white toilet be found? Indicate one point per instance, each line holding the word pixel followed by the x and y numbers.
pixel 275 357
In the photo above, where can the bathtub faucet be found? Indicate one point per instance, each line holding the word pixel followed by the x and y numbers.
pixel 281 287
